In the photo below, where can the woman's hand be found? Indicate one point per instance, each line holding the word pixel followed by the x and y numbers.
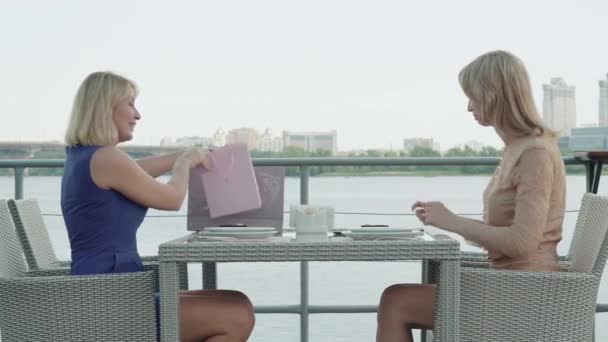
pixel 434 214
pixel 194 158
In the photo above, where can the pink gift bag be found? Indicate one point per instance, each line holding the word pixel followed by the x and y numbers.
pixel 271 182
pixel 230 184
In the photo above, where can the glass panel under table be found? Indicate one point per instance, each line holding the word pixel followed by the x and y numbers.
pixel 196 248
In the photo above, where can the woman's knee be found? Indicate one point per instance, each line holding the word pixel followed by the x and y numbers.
pixel 403 296
pixel 238 307
pixel 392 295
pixel 407 303
pixel 242 316
pixel 227 312
pixel 238 296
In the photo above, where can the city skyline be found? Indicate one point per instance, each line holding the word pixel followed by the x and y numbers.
pixel 376 72
pixel 219 139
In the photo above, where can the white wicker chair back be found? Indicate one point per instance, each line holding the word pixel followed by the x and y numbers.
pixel 12 263
pixel 33 234
pixel 589 247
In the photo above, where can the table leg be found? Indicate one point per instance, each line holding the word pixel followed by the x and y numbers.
pixel 596 176
pixel 169 301
pixel 589 169
pixel 424 280
pixel 209 276
pixel 448 302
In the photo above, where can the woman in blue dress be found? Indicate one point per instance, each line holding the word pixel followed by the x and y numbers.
pixel 105 195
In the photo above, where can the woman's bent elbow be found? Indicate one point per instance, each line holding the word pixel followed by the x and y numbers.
pixel 170 203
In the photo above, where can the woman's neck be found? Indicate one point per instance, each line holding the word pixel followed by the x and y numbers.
pixel 508 136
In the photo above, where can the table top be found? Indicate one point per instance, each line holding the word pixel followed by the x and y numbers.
pixel 592 155
pixel 196 248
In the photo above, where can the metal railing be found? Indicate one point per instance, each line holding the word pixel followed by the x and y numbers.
pixel 304 309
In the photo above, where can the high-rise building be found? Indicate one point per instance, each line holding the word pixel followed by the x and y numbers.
pixel 603 119
pixel 312 141
pixel 559 106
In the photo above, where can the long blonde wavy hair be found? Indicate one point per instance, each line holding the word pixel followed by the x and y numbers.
pixel 499 83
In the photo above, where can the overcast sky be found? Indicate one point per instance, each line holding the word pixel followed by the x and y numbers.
pixel 376 71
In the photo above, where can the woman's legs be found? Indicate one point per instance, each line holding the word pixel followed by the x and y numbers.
pixel 404 307
pixel 215 316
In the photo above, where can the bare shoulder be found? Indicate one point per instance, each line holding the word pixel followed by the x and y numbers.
pixel 109 163
pixel 109 154
pixel 113 169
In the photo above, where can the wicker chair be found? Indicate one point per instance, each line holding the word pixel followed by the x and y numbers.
pixel 506 305
pixel 38 249
pixel 34 236
pixel 111 307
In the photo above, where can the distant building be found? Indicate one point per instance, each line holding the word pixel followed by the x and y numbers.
pixel 203 142
pixel 474 145
pixel 559 106
pixel 219 138
pixel 167 142
pixel 603 103
pixel 410 143
pixel 268 143
pixel 589 139
pixel 243 135
pixel 312 141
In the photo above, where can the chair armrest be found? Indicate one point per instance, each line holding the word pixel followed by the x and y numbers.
pixel 475 259
pixel 116 307
pixel 508 305
pixel 148 267
pixel 144 259
pixel 50 272
pixel 149 258
pixel 63 264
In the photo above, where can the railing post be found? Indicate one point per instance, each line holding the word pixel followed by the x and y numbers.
pixel 19 182
pixel 304 176
pixel 304 312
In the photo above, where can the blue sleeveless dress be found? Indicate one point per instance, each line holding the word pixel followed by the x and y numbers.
pixel 101 224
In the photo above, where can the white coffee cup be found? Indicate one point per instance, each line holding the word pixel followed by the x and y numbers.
pixel 312 222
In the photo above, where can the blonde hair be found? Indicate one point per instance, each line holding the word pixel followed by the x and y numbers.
pixel 91 119
pixel 499 83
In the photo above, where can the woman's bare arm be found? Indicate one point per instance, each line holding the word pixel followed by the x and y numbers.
pixel 158 165
pixel 113 169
